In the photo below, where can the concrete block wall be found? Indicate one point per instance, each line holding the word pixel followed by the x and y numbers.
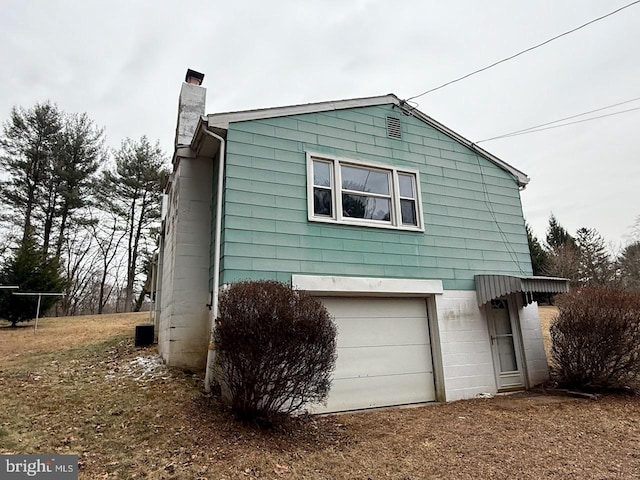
pixel 534 353
pixel 185 318
pixel 168 262
pixel 465 344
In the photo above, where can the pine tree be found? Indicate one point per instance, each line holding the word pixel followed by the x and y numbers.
pixel 80 152
pixel 595 268
pixel 33 272
pixel 557 235
pixel 133 191
pixel 537 253
pixel 563 257
pixel 28 142
pixel 629 266
pixel 50 158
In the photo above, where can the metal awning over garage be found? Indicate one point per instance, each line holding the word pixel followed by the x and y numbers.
pixel 490 287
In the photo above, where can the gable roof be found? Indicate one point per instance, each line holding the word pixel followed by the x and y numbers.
pixel 221 121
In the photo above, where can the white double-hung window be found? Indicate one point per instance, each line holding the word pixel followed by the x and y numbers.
pixel 358 193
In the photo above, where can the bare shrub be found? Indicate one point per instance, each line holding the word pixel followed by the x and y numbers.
pixel 275 347
pixel 596 339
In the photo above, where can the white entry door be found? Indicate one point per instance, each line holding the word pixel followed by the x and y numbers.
pixel 384 353
pixel 505 345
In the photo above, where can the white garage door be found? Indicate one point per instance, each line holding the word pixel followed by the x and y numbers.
pixel 384 353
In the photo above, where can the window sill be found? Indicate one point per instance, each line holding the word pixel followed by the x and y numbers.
pixel 356 223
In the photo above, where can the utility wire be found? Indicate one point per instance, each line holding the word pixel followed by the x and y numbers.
pixel 525 51
pixel 560 120
pixel 534 129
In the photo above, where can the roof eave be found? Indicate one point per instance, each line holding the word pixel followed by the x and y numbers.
pixel 520 176
pixel 221 122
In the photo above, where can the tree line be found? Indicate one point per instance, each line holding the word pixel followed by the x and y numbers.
pixel 76 217
pixel 584 258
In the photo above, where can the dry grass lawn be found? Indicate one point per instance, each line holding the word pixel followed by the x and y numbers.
pixel 547 315
pixel 65 332
pixel 129 417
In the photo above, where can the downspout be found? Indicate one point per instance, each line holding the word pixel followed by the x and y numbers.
pixel 208 378
pixel 152 294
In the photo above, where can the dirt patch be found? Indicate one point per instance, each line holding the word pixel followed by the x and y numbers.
pixel 129 417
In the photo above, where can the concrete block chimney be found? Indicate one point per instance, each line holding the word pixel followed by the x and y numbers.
pixel 184 318
pixel 191 106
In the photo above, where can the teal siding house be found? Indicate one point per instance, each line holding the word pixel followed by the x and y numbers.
pixel 411 235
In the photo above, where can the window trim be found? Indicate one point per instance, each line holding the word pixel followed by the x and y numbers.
pixel 336 194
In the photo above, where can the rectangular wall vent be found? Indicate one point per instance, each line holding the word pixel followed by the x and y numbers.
pixel 393 127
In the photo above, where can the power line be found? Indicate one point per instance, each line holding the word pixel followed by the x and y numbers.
pixel 524 51
pixel 534 129
pixel 562 119
pixel 524 130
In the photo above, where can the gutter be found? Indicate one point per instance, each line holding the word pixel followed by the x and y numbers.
pixel 208 379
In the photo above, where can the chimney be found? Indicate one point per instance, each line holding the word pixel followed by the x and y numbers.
pixel 191 107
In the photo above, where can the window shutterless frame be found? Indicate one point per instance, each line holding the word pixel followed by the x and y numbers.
pixel 353 192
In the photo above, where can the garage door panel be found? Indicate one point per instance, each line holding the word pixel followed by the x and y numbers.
pixel 384 360
pixel 376 307
pixel 384 353
pixel 359 332
pixel 369 392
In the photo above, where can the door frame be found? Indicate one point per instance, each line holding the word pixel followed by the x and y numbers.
pixel 518 346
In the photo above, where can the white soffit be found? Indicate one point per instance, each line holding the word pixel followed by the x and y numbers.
pixel 365 286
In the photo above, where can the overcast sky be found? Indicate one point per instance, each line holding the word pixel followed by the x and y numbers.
pixel 122 62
